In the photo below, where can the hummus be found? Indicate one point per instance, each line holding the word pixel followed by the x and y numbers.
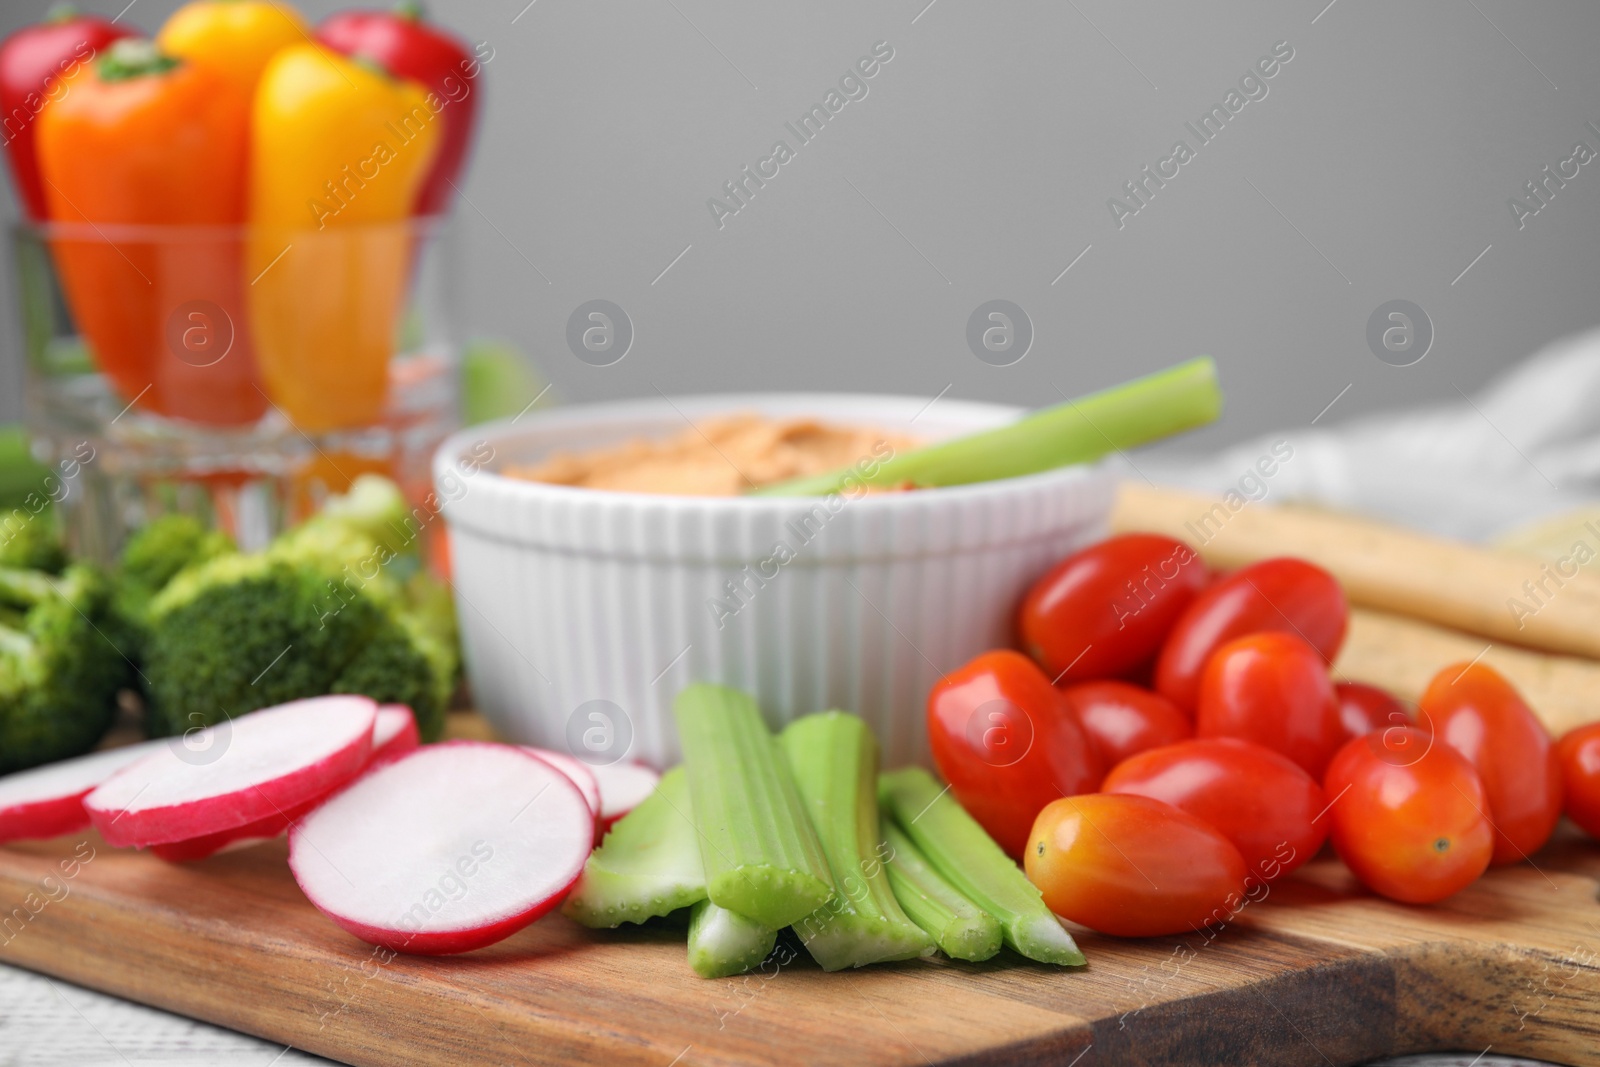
pixel 719 457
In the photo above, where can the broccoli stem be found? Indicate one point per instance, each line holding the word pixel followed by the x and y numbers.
pixel 724 943
pixel 649 864
pixel 762 858
pixel 834 758
pixel 969 859
pixel 962 929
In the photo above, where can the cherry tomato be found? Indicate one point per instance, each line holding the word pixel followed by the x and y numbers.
pixel 1579 752
pixel 1259 800
pixel 1479 714
pixel 1408 815
pixel 1132 866
pixel 1007 743
pixel 1272 595
pixel 1122 719
pixel 1365 708
pixel 1104 611
pixel 1273 689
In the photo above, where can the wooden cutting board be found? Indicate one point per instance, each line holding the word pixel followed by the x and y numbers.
pixel 1318 972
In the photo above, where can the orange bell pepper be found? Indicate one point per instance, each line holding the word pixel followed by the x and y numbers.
pixel 238 37
pixel 143 160
pixel 339 150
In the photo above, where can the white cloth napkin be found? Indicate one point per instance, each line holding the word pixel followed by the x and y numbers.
pixel 1524 448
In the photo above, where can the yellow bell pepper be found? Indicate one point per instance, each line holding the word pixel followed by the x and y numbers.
pixel 237 37
pixel 338 152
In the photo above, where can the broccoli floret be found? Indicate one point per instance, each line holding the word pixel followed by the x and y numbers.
pixel 152 557
pixel 329 607
pixel 59 672
pixel 30 542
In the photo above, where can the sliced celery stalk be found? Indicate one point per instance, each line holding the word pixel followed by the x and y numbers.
pixel 723 942
pixel 648 865
pixel 834 758
pixel 761 856
pixel 970 860
pixel 1075 431
pixel 962 929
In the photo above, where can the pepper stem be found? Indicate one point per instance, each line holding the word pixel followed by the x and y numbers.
pixel 60 13
pixel 133 57
pixel 411 10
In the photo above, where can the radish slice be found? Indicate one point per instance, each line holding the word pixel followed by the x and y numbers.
pixel 237 772
pixel 48 801
pixel 394 734
pixel 576 770
pixel 447 849
pixel 623 786
pixel 251 833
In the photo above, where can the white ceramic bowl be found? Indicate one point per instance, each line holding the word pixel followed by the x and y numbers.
pixel 583 612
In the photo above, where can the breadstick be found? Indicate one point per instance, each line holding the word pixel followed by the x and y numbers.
pixel 1402 656
pixel 1503 596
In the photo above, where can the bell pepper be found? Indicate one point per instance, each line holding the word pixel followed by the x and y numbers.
pixel 239 37
pixel 35 63
pixel 412 48
pixel 143 162
pixel 339 149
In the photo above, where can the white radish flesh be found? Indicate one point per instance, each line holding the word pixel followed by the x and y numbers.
pixel 580 775
pixel 239 772
pixel 48 801
pixel 447 849
pixel 623 787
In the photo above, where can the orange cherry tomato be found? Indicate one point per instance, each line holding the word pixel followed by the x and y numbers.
pixel 1408 815
pixel 1104 611
pixel 1007 743
pixel 1288 595
pixel 1132 866
pixel 1579 752
pixel 1122 719
pixel 1272 688
pixel 1479 714
pixel 1264 803
pixel 1365 708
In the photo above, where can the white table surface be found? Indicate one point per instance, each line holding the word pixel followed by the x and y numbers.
pixel 49 1023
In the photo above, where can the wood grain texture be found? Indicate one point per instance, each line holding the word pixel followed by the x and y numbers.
pixel 1386 567
pixel 1316 973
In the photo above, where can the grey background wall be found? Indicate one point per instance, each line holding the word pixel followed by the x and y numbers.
pixel 979 165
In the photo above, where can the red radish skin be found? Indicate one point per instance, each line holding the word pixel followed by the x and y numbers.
pixel 449 848
pixel 580 775
pixel 254 833
pixel 269 762
pixel 394 733
pixel 48 801
pixel 623 787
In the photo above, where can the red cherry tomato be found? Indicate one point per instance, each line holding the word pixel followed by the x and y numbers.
pixel 1285 594
pixel 1259 800
pixel 1122 719
pixel 1365 708
pixel 1273 689
pixel 1132 866
pixel 1104 611
pixel 1479 714
pixel 1007 743
pixel 1408 816
pixel 1579 752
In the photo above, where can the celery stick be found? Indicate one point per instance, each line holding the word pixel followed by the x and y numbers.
pixel 762 858
pixel 723 942
pixel 834 758
pixel 648 865
pixel 1076 431
pixel 970 860
pixel 962 929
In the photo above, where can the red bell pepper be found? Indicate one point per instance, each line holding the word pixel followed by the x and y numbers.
pixel 35 63
pixel 409 47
